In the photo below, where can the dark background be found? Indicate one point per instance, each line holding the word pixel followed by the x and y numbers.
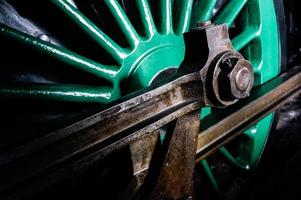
pixel 278 175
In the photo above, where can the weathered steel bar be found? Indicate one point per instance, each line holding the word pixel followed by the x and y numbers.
pixel 136 116
pixel 103 132
pixel 221 128
pixel 176 176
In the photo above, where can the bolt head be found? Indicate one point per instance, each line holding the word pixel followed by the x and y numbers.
pixel 232 78
pixel 241 79
pixel 222 67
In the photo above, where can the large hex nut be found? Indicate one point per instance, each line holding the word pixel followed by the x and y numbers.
pixel 230 78
pixel 241 79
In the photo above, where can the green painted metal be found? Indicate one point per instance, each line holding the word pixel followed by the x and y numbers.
pixel 70 93
pixel 233 160
pixel 60 53
pixel 259 42
pixel 204 112
pixel 124 23
pixel 230 12
pixel 202 11
pixel 160 48
pixel 255 140
pixel 210 175
pixel 146 16
pixel 243 39
pixel 185 10
pixel 263 52
pixel 92 30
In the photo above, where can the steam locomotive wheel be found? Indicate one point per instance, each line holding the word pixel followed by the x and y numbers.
pixel 61 58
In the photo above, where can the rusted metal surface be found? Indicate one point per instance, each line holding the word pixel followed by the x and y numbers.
pixel 105 131
pixel 176 175
pixel 263 101
pixel 218 43
pixel 132 121
pixel 141 154
pixel 142 151
pixel 125 121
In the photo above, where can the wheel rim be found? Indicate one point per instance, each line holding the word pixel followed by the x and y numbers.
pixel 260 29
pixel 147 37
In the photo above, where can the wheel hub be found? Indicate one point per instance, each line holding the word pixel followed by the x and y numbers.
pixel 149 57
pixel 152 63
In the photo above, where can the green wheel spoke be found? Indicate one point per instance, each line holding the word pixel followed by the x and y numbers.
pixel 210 175
pixel 62 54
pixel 166 16
pixel 146 17
pixel 58 92
pixel 123 22
pixel 256 140
pixel 92 30
pixel 203 11
pixel 259 42
pixel 233 160
pixel 140 59
pixel 241 40
pixel 185 15
pixel 230 12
